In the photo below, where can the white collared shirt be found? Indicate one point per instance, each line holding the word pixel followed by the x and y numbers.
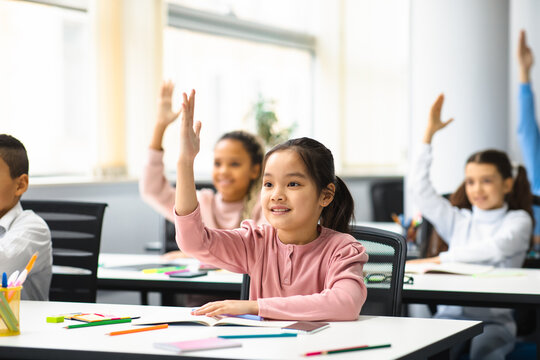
pixel 22 233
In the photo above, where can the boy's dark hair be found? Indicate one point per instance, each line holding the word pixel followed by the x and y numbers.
pixel 320 166
pixel 13 152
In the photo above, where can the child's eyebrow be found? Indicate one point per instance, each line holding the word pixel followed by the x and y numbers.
pixel 295 174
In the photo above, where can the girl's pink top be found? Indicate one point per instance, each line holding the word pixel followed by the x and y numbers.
pixel 321 280
pixel 156 190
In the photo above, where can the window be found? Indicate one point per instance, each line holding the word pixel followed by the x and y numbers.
pixel 376 69
pixel 44 89
pixel 230 62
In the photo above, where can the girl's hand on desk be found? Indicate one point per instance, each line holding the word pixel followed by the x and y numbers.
pixel 231 307
pixel 433 260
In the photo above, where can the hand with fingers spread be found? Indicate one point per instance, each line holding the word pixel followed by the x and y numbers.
pixel 189 132
pixel 525 58
pixel 435 124
pixel 165 114
pixel 229 307
pixel 186 197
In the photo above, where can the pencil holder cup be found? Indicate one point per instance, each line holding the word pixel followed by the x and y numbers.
pixel 10 302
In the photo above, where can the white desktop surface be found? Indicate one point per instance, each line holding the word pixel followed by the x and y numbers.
pixel 106 260
pixel 517 281
pixel 39 339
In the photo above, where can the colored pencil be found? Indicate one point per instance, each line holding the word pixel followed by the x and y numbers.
pixel 7 315
pixel 30 264
pixel 354 348
pixel 97 323
pixel 253 336
pixel 131 331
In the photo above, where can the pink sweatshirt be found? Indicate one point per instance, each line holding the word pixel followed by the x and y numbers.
pixel 321 280
pixel 156 190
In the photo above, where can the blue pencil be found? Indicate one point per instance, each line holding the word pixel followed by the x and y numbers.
pixel 4 280
pixel 253 336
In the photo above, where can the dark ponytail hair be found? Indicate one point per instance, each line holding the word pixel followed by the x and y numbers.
pixel 253 146
pixel 519 198
pixel 320 166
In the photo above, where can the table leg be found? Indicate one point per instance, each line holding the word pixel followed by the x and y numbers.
pixel 144 297
pixel 537 333
pixel 443 355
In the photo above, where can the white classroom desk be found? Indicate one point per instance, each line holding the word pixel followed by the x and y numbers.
pixel 410 338
pixel 503 288
pixel 221 283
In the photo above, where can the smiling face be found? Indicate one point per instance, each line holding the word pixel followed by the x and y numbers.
pixel 485 187
pixel 290 199
pixel 233 171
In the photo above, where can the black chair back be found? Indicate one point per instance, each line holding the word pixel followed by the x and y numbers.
pixel 387 252
pixel 386 198
pixel 76 237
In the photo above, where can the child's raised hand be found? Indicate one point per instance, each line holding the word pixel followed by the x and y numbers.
pixel 166 115
pixel 189 132
pixel 525 57
pixel 230 307
pixel 435 124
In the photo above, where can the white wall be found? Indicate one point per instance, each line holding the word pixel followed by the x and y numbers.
pixel 128 223
pixel 459 48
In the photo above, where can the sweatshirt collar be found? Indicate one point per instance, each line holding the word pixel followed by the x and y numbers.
pixel 489 216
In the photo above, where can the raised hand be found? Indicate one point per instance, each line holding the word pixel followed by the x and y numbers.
pixel 525 58
pixel 230 307
pixel 165 115
pixel 435 124
pixel 186 197
pixel 189 132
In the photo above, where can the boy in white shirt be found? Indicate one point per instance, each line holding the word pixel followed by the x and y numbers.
pixel 22 232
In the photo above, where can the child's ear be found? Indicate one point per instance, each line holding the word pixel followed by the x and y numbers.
pixel 327 195
pixel 255 171
pixel 22 184
pixel 508 184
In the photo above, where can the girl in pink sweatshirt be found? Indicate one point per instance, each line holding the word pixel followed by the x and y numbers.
pixel 302 265
pixel 236 175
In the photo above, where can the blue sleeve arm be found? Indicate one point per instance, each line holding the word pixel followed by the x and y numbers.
pixel 529 135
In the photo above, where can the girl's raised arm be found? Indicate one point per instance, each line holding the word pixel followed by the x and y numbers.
pixel 525 58
pixel 186 197
pixel 435 124
pixel 165 115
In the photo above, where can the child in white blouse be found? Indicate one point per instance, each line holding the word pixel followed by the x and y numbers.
pixel 488 220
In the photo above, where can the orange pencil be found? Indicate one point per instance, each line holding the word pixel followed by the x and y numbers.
pixel 131 331
pixel 30 264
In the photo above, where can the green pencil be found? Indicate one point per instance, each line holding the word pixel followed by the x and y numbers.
pixel 354 348
pixel 97 323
